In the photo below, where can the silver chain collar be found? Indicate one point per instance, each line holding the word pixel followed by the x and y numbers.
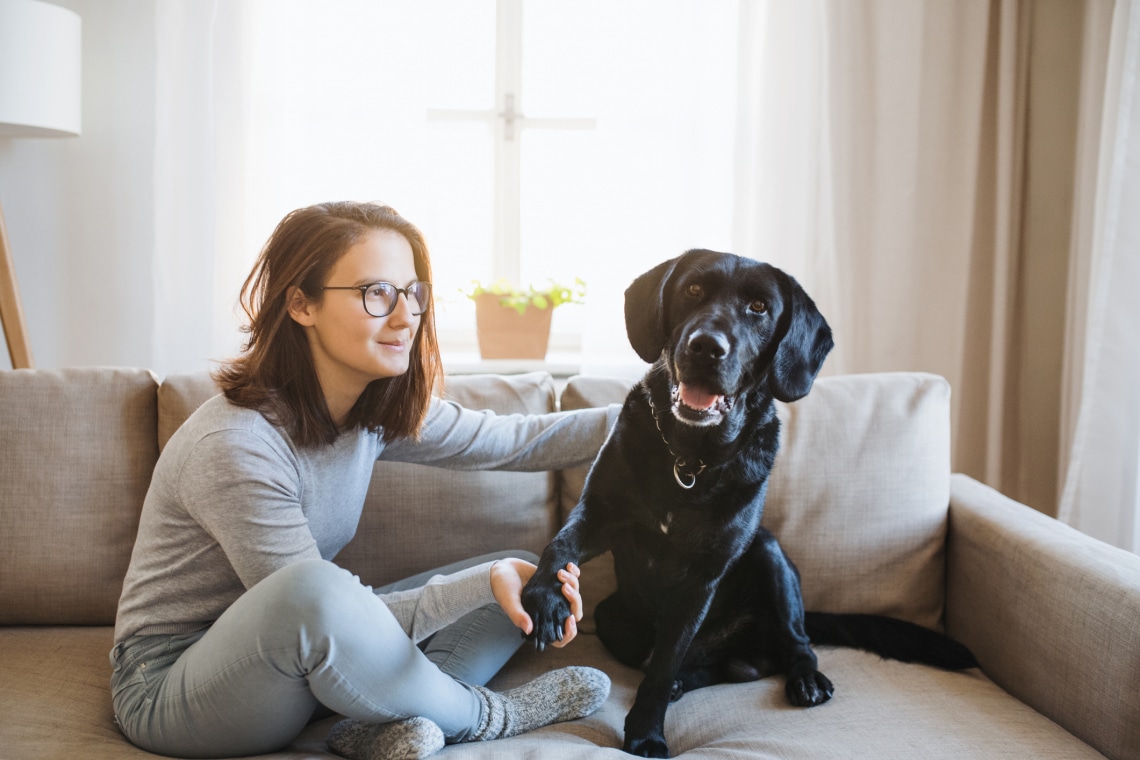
pixel 684 479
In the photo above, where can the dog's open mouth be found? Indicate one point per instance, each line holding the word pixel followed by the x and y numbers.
pixel 698 405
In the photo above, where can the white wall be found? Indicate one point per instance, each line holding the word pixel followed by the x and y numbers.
pixel 79 211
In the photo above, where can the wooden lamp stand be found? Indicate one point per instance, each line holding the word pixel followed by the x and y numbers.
pixel 11 313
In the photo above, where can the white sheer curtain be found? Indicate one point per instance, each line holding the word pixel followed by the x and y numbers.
pixel 784 186
pixel 1101 493
pixel 199 182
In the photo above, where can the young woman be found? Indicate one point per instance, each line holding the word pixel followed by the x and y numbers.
pixel 234 628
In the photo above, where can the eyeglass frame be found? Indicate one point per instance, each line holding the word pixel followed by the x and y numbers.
pixel 406 291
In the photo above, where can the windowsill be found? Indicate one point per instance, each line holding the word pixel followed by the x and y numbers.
pixel 558 364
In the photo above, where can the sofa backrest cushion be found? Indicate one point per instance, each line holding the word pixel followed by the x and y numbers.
pixel 415 517
pixel 76 454
pixel 860 491
pixel 178 397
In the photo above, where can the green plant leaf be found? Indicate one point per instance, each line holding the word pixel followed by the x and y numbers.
pixel 517 298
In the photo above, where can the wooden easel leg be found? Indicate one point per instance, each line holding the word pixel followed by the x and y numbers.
pixel 11 313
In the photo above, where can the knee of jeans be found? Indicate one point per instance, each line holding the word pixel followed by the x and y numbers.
pixel 530 557
pixel 320 596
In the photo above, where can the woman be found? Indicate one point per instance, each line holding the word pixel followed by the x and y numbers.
pixel 234 628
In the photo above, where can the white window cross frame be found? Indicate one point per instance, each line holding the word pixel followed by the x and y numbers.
pixel 508 120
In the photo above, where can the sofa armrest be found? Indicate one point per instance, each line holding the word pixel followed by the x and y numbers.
pixel 1052 615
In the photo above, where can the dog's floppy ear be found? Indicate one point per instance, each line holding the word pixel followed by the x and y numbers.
pixel 803 346
pixel 645 311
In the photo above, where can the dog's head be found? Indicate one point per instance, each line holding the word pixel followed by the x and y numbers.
pixel 724 325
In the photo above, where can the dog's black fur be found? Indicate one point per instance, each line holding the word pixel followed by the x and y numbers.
pixel 705 594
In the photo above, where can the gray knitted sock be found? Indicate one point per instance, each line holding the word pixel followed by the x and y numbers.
pixel 560 695
pixel 408 739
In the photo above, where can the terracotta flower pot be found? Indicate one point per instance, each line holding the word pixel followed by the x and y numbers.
pixel 505 334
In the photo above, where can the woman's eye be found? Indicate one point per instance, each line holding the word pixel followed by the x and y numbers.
pixel 696 290
pixel 758 307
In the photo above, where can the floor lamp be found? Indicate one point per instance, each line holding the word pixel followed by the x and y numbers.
pixel 40 74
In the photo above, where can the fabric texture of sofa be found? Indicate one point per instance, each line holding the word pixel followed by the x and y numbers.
pixel 862 499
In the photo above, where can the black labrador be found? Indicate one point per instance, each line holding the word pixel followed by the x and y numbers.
pixel 705 594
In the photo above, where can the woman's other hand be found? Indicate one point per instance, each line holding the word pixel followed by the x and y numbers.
pixel 508 576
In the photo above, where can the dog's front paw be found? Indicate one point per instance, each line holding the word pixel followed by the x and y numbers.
pixel 548 610
pixel 809 688
pixel 646 746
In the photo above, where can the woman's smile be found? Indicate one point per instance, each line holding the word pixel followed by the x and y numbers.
pixel 398 345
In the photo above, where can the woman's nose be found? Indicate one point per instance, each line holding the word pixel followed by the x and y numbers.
pixel 402 313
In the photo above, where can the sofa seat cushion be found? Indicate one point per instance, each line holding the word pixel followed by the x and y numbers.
pixel 859 494
pixel 56 705
pixel 56 699
pixel 882 709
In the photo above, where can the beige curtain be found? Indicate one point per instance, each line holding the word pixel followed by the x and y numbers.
pixel 929 210
pixel 200 192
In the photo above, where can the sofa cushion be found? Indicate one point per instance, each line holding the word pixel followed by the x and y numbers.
pixel 56 699
pixel 418 517
pixel 56 704
pixel 76 455
pixel 859 494
pixel 178 397
pixel 882 709
pixel 415 517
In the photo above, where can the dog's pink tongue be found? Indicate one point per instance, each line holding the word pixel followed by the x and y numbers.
pixel 697 398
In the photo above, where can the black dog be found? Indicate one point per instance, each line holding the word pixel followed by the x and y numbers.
pixel 705 595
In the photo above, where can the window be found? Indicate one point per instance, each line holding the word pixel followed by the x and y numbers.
pixel 529 139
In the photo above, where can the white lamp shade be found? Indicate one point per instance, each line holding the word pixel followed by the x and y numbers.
pixel 40 70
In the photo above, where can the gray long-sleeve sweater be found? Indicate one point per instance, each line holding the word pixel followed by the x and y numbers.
pixel 232 499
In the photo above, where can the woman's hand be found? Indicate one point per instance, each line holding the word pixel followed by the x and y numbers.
pixel 508 576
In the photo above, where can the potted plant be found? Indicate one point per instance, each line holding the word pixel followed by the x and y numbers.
pixel 514 322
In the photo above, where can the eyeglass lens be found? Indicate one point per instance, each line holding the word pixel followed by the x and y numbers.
pixel 380 298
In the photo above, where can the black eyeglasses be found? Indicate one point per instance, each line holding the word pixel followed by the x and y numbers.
pixel 380 298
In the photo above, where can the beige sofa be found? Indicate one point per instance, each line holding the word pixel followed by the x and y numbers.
pixel 862 498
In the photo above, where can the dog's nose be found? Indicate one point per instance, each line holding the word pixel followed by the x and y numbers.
pixel 709 345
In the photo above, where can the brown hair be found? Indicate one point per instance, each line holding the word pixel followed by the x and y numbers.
pixel 275 373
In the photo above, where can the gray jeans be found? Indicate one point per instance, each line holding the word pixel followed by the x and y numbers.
pixel 307 640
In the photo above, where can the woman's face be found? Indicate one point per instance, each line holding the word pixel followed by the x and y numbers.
pixel 350 347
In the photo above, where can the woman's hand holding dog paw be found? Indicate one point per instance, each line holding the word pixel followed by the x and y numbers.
pixel 509 576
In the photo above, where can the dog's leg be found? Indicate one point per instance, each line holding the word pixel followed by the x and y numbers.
pixel 693 678
pixel 628 636
pixel 679 623
pixel 578 541
pixel 806 686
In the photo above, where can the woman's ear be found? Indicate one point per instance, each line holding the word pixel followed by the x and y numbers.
pixel 300 307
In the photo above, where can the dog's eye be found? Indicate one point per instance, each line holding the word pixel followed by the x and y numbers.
pixel 758 307
pixel 696 291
